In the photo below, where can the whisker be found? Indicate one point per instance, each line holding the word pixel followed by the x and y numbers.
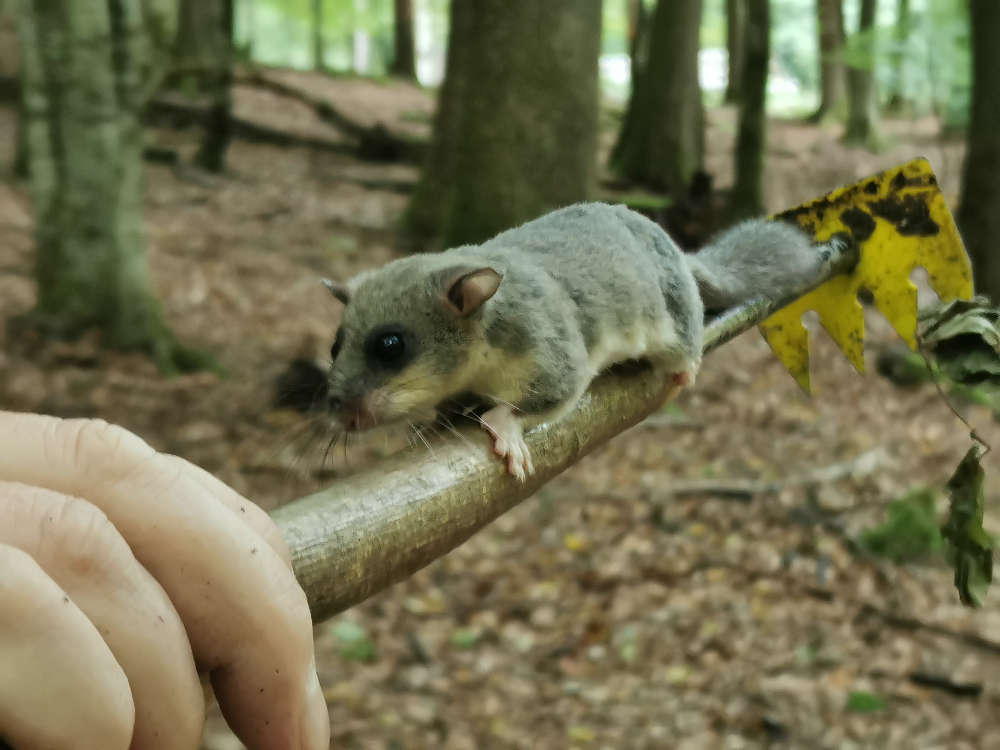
pixel 422 438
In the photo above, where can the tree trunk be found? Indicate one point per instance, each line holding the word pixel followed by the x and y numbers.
pixel 88 68
pixel 736 22
pixel 319 63
pixel 747 198
pixel 979 212
pixel 862 92
pixel 515 135
pixel 638 37
pixel 404 62
pixel 427 212
pixel 218 126
pixel 897 97
pixel 662 140
pixel 21 163
pixel 832 38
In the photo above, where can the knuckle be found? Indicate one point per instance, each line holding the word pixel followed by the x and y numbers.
pixel 294 606
pixel 82 538
pixel 101 444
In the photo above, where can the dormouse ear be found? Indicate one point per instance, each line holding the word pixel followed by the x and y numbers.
pixel 467 292
pixel 338 289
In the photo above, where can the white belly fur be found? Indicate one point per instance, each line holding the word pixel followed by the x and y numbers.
pixel 645 339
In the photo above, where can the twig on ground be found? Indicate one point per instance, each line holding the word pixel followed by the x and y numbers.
pixel 747 489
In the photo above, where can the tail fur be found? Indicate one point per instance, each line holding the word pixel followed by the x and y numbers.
pixel 755 257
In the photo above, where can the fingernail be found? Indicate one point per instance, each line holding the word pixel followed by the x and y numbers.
pixel 315 729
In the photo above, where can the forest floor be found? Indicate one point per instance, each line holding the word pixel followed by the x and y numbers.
pixel 600 613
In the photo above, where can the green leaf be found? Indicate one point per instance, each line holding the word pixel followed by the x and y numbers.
pixel 355 645
pixel 647 202
pixel 910 531
pixel 864 702
pixel 465 638
pixel 970 546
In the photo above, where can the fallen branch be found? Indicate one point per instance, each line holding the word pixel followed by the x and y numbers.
pixel 374 142
pixel 172 113
pixel 747 489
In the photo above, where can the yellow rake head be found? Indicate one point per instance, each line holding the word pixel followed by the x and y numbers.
pixel 900 221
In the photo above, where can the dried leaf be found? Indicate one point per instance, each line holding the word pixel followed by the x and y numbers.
pixel 971 547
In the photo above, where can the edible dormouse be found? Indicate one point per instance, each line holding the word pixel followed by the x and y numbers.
pixel 524 322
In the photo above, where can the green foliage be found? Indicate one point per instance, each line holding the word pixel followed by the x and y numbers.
pixel 910 531
pixel 614 37
pixel 970 547
pixel 863 702
pixel 355 645
pixel 965 339
pixel 465 638
pixel 713 23
pixel 646 201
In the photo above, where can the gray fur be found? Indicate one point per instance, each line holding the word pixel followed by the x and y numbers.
pixel 770 257
pixel 571 281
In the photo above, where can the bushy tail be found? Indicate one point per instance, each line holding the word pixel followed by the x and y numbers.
pixel 759 256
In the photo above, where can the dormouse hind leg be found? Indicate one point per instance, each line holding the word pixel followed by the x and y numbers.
pixel 681 379
pixel 507 432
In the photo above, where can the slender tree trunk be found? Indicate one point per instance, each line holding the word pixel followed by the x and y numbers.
pixel 516 130
pixel 897 98
pixel 404 62
pixel 832 74
pixel 862 92
pixel 89 66
pixel 638 38
pixel 979 212
pixel 662 140
pixel 736 22
pixel 22 167
pixel 218 127
pixel 747 198
pixel 319 62
pixel 428 210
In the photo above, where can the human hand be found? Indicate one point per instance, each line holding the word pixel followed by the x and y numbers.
pixel 127 577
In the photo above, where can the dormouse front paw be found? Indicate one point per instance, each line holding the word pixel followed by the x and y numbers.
pixel 508 441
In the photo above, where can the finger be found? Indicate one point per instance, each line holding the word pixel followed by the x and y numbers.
pixel 60 686
pixel 79 549
pixel 245 510
pixel 246 617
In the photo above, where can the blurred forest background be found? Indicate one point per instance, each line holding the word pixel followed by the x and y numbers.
pixel 750 568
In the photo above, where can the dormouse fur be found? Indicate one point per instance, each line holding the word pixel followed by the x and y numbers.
pixel 531 316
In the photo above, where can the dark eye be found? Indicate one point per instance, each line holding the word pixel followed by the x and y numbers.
pixel 388 348
pixel 337 343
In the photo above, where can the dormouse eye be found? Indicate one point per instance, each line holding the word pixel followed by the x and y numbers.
pixel 338 342
pixel 388 348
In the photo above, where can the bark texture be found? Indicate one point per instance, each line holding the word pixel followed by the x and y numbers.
pixel 747 198
pixel 21 164
pixel 404 61
pixel 662 141
pixel 516 129
pixel 832 73
pixel 897 97
pixel 979 212
pixel 862 92
pixel 219 123
pixel 88 68
pixel 736 21
pixel 638 37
